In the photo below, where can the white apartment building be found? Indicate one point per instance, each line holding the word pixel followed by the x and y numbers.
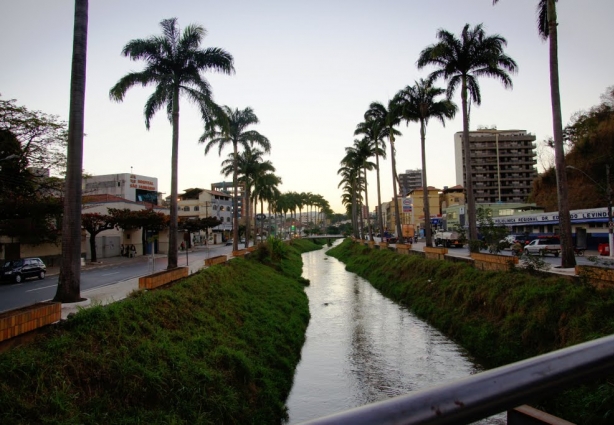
pixel 202 203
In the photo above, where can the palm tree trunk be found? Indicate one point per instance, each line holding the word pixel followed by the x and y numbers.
pixel 172 237
pixel 69 282
pixel 367 205
pixel 397 217
pixel 246 215
pixel 568 258
pixel 379 199
pixel 354 206
pixel 471 218
pixel 427 207
pixel 235 202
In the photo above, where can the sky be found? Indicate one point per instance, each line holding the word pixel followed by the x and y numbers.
pixel 308 69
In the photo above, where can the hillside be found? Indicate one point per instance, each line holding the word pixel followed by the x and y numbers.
pixel 590 141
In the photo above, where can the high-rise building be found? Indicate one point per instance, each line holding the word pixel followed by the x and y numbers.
pixel 410 180
pixel 502 164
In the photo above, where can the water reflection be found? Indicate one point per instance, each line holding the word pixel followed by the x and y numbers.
pixel 362 347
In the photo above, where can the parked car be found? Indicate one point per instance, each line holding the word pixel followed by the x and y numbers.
pixel 18 270
pixel 543 246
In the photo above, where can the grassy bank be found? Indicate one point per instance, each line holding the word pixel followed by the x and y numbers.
pixel 499 317
pixel 219 347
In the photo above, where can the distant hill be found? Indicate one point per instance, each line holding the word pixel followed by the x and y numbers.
pixel 590 138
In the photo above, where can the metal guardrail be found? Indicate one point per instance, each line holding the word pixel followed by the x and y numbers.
pixel 487 393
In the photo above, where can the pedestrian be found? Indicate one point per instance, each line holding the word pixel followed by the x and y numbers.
pixel 132 251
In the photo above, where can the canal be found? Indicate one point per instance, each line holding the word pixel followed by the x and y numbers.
pixel 362 347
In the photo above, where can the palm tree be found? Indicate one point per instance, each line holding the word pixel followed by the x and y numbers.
pixel 265 189
pixel 547 28
pixel 69 281
pixel 418 103
pixel 174 63
pixel 247 165
pixel 365 150
pixel 460 62
pixel 388 118
pixel 231 128
pixel 375 133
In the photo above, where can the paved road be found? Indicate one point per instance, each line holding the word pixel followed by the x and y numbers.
pixel 107 272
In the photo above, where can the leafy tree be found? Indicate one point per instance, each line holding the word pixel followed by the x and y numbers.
pixel 95 223
pixel 30 208
pixel 492 234
pixel 460 61
pixel 174 64
pixel 195 225
pixel 231 128
pixel 547 28
pixel 417 103
pixel 69 281
pixel 41 138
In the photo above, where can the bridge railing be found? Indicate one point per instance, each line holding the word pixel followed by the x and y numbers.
pixel 487 393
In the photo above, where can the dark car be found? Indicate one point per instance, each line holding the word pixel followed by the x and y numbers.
pixel 18 270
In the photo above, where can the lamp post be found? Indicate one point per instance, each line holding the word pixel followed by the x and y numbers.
pixel 608 192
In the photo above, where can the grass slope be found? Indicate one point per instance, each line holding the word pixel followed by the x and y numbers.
pixel 499 317
pixel 219 347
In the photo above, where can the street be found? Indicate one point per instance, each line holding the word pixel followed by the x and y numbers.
pixel 110 271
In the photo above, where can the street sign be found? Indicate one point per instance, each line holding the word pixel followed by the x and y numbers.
pixel 260 216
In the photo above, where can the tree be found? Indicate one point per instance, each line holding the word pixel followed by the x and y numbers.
pixel 231 128
pixel 365 149
pixel 30 204
pixel 375 133
pixel 460 61
pixel 417 103
pixel 547 28
pixel 41 138
pixel 388 118
pixel 174 63
pixel 69 281
pixel 249 163
pixel 94 223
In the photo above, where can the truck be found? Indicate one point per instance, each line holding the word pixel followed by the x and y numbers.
pixel 448 239
pixel 543 246
pixel 408 232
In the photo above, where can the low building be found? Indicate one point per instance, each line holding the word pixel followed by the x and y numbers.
pixel 131 187
pixel 201 203
pixel 455 215
pixel 416 215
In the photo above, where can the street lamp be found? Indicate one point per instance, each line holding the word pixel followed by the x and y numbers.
pixel 608 192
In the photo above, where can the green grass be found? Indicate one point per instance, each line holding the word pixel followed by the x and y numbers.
pixel 499 317
pixel 219 347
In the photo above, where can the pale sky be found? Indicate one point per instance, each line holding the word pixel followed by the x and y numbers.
pixel 309 69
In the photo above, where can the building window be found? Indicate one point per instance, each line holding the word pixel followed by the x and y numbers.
pixel 196 208
pixel 228 219
pixel 214 207
pixel 186 208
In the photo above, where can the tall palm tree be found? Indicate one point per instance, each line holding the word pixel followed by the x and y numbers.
pixel 388 118
pixel 247 164
pixel 460 61
pixel 174 63
pixel 547 28
pixel 231 128
pixel 375 133
pixel 69 281
pixel 266 190
pixel 418 103
pixel 365 150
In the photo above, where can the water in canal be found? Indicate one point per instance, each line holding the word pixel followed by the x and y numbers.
pixel 361 347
